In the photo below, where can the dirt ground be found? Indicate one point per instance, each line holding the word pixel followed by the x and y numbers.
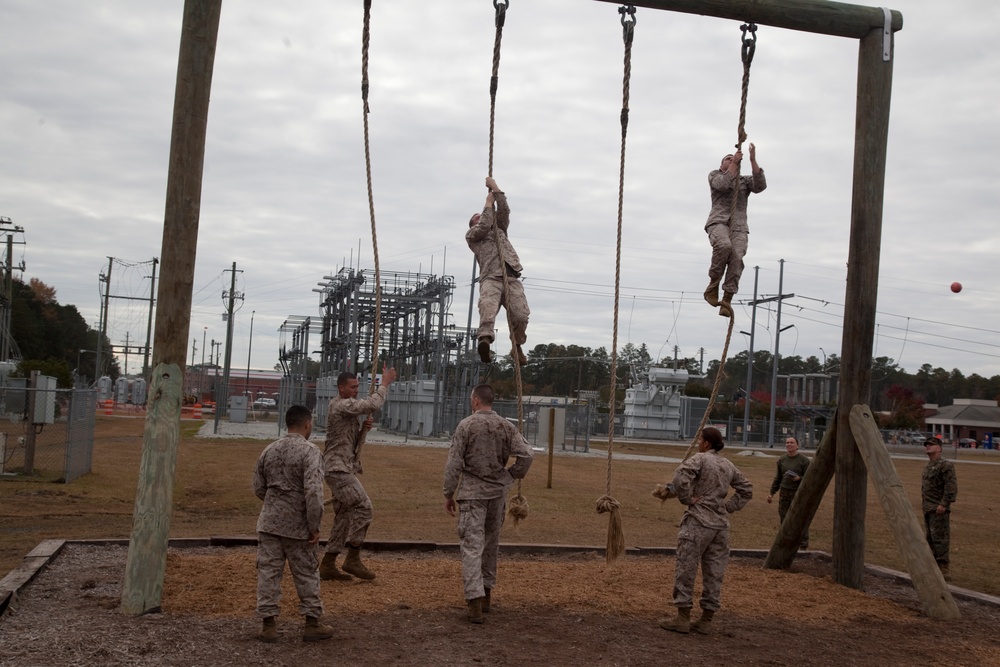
pixel 548 610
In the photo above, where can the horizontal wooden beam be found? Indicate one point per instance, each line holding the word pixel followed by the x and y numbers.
pixel 818 16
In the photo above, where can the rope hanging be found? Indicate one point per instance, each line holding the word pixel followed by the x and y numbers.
pixel 518 505
pixel 365 38
pixel 746 55
pixel 607 503
pixel 749 46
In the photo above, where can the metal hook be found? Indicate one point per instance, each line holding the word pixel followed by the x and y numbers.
pixel 501 7
pixel 628 21
pixel 749 44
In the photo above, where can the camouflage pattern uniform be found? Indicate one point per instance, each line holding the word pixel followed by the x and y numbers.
pixel 482 444
pixel 785 485
pixel 289 479
pixel 728 236
pixel 352 507
pixel 938 487
pixel 482 241
pixel 704 531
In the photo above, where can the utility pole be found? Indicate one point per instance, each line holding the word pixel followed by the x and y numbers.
pixel 749 384
pixel 231 295
pixel 246 388
pixel 777 355
pixel 6 344
pixel 701 361
pixel 103 330
pixel 149 322
pixel 194 349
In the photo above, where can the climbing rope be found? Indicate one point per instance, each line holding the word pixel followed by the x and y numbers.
pixel 518 504
pixel 365 38
pixel 749 46
pixel 377 324
pixel 607 503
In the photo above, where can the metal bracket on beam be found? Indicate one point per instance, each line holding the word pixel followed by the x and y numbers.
pixel 887 35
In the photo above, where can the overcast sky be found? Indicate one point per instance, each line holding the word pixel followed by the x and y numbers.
pixel 86 95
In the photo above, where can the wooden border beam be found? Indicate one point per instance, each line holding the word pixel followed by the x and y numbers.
pixel 817 16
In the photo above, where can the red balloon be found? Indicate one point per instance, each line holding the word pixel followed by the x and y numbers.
pixel 956 287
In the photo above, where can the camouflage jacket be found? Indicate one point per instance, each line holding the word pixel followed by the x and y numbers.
pixel 482 444
pixel 482 241
pixel 721 183
pixel 288 477
pixel 342 450
pixel 939 485
pixel 706 478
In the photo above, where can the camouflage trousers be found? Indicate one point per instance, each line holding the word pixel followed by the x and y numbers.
pixel 272 552
pixel 728 249
pixel 709 547
pixel 352 509
pixel 479 523
pixel 491 297
pixel 784 502
pixel 938 528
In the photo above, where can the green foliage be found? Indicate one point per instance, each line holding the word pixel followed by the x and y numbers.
pixel 47 332
pixel 56 368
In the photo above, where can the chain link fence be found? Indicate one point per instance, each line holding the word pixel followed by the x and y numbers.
pixel 55 442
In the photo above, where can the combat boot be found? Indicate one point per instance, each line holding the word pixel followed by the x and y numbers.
pixel 726 305
pixel 328 569
pixel 269 631
pixel 518 355
pixel 353 565
pixel 704 624
pixel 486 601
pixel 680 623
pixel 316 631
pixel 484 350
pixel 712 292
pixel 476 610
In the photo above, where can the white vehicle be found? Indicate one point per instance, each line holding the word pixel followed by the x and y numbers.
pixel 265 404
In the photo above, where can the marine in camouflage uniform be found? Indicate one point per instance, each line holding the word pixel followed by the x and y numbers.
pixel 938 490
pixel 477 479
pixel 288 477
pixel 702 483
pixel 481 237
pixel 791 468
pixel 727 229
pixel 352 507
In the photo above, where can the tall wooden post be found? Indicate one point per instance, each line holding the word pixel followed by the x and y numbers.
pixel 147 553
pixel 871 136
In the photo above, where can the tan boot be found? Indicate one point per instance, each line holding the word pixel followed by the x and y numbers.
pixel 712 293
pixel 486 601
pixel 353 565
pixel 518 355
pixel 328 569
pixel 704 624
pixel 475 610
pixel 484 350
pixel 269 631
pixel 680 623
pixel 316 631
pixel 726 305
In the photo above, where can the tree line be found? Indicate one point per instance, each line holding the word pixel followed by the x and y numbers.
pixel 54 339
pixel 567 370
